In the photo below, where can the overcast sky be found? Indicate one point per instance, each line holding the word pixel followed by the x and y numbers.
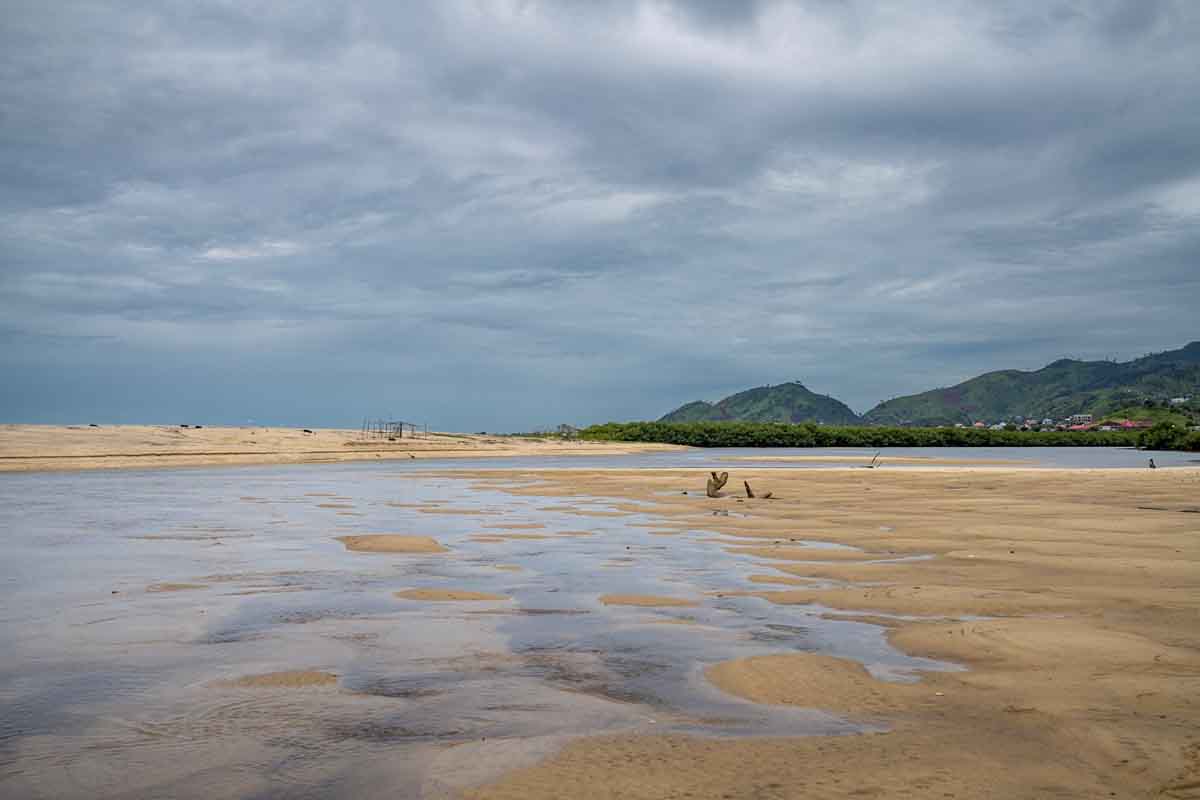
pixel 503 215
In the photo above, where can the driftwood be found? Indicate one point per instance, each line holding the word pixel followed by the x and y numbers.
pixel 716 483
pixel 750 492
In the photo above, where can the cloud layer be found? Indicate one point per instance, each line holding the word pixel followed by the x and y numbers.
pixel 500 215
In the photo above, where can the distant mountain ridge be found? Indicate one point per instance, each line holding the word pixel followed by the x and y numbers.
pixel 786 402
pixel 1057 390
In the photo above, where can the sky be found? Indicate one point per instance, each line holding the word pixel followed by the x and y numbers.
pixel 507 215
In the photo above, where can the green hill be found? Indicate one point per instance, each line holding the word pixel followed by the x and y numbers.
pixel 1057 390
pixel 787 402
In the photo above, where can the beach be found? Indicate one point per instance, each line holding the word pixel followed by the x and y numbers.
pixel 946 631
pixel 72 447
pixel 1071 598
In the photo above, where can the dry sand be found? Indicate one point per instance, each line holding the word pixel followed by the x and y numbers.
pixel 1084 682
pixel 441 595
pixel 646 600
pixel 294 679
pixel 391 543
pixel 70 447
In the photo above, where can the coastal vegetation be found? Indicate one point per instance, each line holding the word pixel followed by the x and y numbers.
pixel 778 434
pixel 1167 435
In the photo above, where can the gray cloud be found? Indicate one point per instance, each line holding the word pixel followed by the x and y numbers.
pixel 507 214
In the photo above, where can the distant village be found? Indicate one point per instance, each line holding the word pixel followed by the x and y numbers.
pixel 1075 422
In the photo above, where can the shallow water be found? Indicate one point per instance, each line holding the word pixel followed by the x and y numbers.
pixel 713 457
pixel 109 688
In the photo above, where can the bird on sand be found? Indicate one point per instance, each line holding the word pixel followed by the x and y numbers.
pixel 1152 464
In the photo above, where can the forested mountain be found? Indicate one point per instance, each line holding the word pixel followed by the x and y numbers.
pixel 787 402
pixel 1057 390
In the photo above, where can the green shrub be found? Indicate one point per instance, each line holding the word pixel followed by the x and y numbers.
pixel 1165 435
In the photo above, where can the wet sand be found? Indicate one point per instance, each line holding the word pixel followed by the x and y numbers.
pixel 295 679
pixel 1082 682
pixel 448 595
pixel 815 681
pixel 1070 597
pixel 647 601
pixel 73 447
pixel 391 543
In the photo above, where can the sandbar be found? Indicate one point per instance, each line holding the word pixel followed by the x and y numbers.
pixel 26 448
pixel 175 587
pixel 443 595
pixel 811 681
pixel 391 543
pixel 646 600
pixel 292 679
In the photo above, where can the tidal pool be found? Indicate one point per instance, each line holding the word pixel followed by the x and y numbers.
pixel 172 633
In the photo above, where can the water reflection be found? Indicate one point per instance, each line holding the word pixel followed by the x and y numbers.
pixel 132 600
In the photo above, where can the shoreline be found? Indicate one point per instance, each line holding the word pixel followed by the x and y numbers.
pixel 69 448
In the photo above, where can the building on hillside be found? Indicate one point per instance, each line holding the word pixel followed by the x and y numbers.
pixel 1081 419
pixel 1047 423
pixel 979 425
pixel 1178 401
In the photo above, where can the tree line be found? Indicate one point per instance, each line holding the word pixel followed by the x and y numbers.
pixel 1167 435
pixel 807 434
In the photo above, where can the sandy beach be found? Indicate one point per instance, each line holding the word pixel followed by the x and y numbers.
pixel 73 447
pixel 1071 598
pixel 1058 609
